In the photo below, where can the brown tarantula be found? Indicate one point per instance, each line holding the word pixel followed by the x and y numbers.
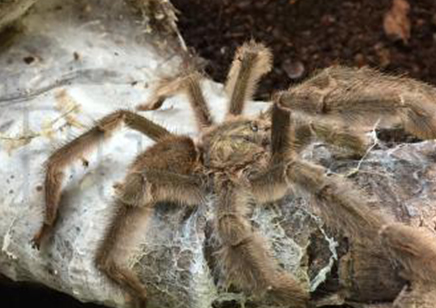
pixel 244 158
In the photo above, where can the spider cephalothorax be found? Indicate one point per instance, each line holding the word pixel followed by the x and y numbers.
pixel 244 159
pixel 237 144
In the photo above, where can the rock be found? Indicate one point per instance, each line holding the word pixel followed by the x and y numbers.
pixel 294 69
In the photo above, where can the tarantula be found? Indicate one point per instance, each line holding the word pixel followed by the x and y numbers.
pixel 245 158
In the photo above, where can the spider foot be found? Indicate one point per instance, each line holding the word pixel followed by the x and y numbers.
pixel 148 106
pixel 40 236
pixel 136 301
pixel 287 291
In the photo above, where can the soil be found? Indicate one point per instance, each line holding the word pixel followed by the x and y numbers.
pixel 306 35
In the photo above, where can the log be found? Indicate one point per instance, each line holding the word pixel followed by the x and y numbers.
pixel 12 10
pixel 78 61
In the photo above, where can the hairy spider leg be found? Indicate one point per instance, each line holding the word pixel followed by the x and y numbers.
pixel 188 83
pixel 245 256
pixel 251 62
pixel 271 184
pixel 342 201
pixel 364 97
pixel 163 173
pixel 344 207
pixel 113 251
pixel 415 248
pixel 74 150
pixel 305 128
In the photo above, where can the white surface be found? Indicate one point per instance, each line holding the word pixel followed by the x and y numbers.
pixel 112 55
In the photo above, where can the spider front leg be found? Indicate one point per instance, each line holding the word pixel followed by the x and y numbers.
pixel 245 257
pixel 74 150
pixel 163 173
pixel 286 141
pixel 188 83
pixel 251 62
pixel 271 184
pixel 286 168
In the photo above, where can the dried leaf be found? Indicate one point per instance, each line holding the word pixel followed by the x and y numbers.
pixel 68 107
pixel 65 104
pixel 396 21
pixel 13 143
pixel 47 129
